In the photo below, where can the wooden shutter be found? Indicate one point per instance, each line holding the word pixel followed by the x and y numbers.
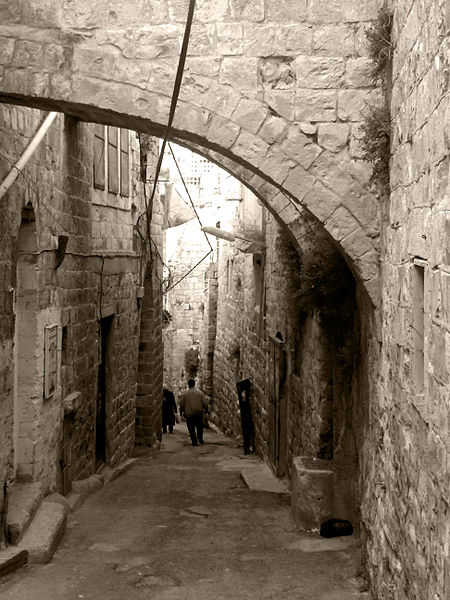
pixel 99 156
pixel 113 160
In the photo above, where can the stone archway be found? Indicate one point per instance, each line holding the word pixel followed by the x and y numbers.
pixel 278 88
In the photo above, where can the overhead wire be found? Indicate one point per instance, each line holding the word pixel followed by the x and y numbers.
pixel 189 195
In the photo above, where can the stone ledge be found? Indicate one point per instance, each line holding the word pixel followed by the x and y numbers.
pixel 11 559
pixel 45 532
pixel 259 478
pixel 23 503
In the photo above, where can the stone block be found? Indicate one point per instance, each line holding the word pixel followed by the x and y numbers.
pixel 273 129
pixel 259 40
pixel 319 72
pixel 222 132
pixel 23 503
pixel 230 38
pixel 281 102
pixel 300 147
pixel 222 100
pixel 315 105
pixel 249 114
pixel 341 224
pixel 358 72
pixel 45 532
pixel 276 165
pixel 239 72
pixel 298 182
pixel 12 559
pixel 312 492
pixel 321 201
pixel 211 11
pixel 295 39
pixel 333 40
pixel 247 10
pixel 333 136
pixel 325 11
pixel 353 104
pixel 6 50
pixel 250 148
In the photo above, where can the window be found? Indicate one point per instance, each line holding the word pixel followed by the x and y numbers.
pixel 418 328
pixel 124 163
pixel 113 166
pixel 229 275
pixel 116 168
pixel 257 278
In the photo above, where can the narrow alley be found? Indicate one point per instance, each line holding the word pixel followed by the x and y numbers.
pixel 251 198
pixel 181 523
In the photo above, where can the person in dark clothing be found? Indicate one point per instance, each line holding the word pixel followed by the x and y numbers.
pixel 169 410
pixel 193 404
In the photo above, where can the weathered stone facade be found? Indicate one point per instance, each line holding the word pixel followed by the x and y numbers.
pixel 406 500
pixel 278 91
pixel 71 269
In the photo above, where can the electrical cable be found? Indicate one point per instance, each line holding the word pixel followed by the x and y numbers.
pixel 173 103
pixel 189 195
pixel 190 271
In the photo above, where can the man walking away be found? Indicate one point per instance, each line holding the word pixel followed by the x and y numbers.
pixel 193 404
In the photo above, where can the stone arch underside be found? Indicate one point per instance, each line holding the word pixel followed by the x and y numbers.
pixel 276 89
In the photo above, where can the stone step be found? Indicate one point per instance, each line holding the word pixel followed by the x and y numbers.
pixel 260 478
pixel 11 559
pixel 46 530
pixel 23 502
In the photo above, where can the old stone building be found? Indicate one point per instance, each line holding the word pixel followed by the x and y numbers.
pixel 279 94
pixel 197 193
pixel 74 269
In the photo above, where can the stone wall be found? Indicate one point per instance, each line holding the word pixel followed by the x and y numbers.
pixel 97 279
pixel 406 508
pixel 151 350
pixel 318 389
pixel 209 330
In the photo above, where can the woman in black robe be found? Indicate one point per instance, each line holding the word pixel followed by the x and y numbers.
pixel 169 410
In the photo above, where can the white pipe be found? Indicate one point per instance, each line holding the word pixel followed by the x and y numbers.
pixel 17 168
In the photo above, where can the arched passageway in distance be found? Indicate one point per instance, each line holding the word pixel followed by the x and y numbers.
pixel 278 90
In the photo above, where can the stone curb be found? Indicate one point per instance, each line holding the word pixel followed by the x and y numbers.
pixel 48 525
pixel 11 559
pixel 45 530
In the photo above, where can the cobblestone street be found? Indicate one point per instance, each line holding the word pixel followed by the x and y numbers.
pixel 181 524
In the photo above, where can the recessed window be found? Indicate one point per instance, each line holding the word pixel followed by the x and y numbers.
pixel 113 160
pixel 418 326
pixel 257 279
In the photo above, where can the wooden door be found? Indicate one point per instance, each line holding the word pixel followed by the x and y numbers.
pixel 277 407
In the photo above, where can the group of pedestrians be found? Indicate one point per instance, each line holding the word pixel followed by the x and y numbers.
pixel 193 405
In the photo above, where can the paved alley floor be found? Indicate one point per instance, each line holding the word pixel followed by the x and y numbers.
pixel 182 525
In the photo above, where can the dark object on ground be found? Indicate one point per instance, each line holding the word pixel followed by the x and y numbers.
pixel 335 528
